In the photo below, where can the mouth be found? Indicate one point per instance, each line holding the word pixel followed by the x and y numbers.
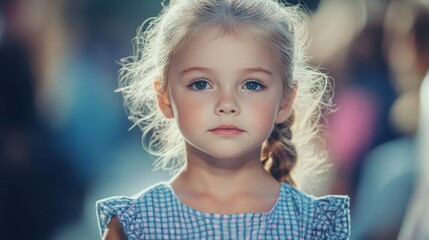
pixel 226 130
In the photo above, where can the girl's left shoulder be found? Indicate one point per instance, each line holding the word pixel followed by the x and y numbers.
pixel 326 217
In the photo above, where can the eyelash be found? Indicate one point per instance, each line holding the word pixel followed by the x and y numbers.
pixel 192 84
pixel 193 87
pixel 260 85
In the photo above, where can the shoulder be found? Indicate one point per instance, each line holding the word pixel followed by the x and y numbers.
pixel 129 211
pixel 325 217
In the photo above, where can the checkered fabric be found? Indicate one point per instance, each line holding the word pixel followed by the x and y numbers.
pixel 157 213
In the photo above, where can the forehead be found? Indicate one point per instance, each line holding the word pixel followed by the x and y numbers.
pixel 245 34
pixel 246 45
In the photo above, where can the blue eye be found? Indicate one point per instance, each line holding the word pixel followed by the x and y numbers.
pixel 200 85
pixel 253 86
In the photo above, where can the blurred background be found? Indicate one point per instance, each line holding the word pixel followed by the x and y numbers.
pixel 64 139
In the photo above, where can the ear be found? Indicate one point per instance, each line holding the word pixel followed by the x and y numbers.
pixel 286 106
pixel 163 100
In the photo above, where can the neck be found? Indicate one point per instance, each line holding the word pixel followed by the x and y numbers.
pixel 209 175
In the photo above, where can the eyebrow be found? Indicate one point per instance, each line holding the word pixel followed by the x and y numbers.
pixel 195 69
pixel 246 70
pixel 258 69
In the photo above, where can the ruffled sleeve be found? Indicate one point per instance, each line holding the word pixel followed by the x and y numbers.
pixel 330 218
pixel 122 208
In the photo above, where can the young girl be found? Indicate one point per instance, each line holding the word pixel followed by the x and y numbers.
pixel 224 97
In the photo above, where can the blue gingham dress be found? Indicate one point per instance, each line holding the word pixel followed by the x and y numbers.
pixel 157 213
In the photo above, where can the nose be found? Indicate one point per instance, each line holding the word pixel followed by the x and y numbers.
pixel 227 105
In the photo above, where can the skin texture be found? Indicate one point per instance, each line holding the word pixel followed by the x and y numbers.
pixel 223 65
pixel 227 79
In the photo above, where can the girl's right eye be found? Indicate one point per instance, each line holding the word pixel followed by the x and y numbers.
pixel 200 85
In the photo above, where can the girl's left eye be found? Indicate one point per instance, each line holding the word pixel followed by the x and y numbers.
pixel 253 86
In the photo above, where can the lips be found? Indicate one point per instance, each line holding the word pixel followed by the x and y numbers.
pixel 226 130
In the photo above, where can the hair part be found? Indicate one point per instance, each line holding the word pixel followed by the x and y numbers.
pixel 160 39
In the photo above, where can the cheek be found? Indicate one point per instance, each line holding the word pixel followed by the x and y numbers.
pixel 264 116
pixel 189 113
pixel 263 110
pixel 260 116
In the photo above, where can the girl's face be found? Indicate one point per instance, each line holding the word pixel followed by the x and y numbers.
pixel 226 94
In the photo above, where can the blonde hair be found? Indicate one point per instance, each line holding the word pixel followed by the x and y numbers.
pixel 284 32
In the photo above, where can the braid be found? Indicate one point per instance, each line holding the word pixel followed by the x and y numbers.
pixel 279 153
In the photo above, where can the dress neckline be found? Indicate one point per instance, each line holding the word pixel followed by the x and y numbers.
pixel 232 216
